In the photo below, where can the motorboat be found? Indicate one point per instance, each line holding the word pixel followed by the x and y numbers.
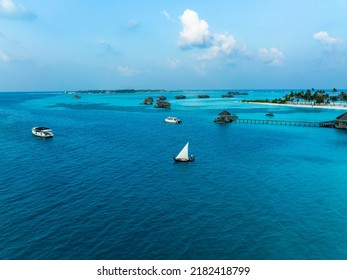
pixel 183 155
pixel 172 120
pixel 42 131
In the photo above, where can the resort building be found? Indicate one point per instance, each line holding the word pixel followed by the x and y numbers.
pixel 341 121
pixel 225 117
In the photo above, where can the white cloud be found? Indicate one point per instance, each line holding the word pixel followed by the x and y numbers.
pixel 222 44
pixel 195 31
pixel 9 9
pixel 327 40
pixel 272 56
pixel 132 23
pixel 108 48
pixel 8 6
pixel 173 63
pixel 166 14
pixel 127 71
pixel 4 57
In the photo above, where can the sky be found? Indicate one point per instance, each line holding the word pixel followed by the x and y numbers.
pixel 163 44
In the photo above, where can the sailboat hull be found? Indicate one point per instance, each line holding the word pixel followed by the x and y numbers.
pixel 184 159
pixel 183 155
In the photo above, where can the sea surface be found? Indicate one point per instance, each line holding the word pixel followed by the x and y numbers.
pixel 106 186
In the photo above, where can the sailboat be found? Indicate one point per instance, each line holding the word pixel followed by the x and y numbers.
pixel 183 155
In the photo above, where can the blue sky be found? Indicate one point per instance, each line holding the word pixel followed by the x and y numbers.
pixel 192 44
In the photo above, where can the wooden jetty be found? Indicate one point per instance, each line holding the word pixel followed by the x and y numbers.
pixel 279 122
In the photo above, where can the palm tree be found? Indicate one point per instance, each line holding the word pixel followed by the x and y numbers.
pixel 334 99
pixel 308 95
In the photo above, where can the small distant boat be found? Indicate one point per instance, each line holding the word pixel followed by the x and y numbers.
pixel 183 155
pixel 270 115
pixel 42 131
pixel 172 120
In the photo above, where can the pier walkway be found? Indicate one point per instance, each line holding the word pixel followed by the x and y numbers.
pixel 279 122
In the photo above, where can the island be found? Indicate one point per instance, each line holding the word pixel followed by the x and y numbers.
pixel 308 98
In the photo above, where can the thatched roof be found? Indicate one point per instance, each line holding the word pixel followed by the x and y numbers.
pixel 224 113
pixel 343 117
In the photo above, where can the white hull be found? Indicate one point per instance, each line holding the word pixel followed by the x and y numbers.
pixel 42 132
pixel 172 120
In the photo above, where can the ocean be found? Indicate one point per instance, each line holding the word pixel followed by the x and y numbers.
pixel 106 186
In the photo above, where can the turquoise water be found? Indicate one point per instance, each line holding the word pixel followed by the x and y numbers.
pixel 106 187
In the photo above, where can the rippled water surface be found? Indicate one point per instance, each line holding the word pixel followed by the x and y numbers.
pixel 106 186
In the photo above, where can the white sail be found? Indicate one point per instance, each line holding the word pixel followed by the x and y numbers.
pixel 184 153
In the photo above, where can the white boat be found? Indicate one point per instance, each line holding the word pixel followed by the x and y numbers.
pixel 183 155
pixel 172 120
pixel 42 131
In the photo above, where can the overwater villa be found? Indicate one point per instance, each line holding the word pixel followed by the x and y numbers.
pixel 161 98
pixel 341 121
pixel 228 95
pixel 225 117
pixel 203 96
pixel 162 104
pixel 148 101
pixel 180 96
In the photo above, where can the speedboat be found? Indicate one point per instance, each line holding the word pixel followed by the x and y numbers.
pixel 42 131
pixel 172 120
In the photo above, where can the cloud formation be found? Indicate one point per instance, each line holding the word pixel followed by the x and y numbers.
pixel 195 31
pixel 132 24
pixel 108 48
pixel 4 57
pixel 196 34
pixel 173 63
pixel 272 56
pixel 167 15
pixel 127 71
pixel 327 40
pixel 11 10
pixel 221 44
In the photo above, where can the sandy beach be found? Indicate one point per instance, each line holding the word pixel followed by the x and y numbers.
pixel 330 106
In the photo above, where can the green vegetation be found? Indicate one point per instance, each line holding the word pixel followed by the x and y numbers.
pixel 310 96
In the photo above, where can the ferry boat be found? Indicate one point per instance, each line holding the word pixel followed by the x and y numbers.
pixel 42 131
pixel 172 120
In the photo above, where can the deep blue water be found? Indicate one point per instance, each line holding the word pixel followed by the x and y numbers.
pixel 106 187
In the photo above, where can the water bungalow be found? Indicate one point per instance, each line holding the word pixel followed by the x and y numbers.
pixel 180 97
pixel 341 121
pixel 162 104
pixel 148 101
pixel 228 95
pixel 161 98
pixel 225 117
pixel 203 96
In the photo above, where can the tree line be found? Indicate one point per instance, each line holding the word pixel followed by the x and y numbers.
pixel 311 96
